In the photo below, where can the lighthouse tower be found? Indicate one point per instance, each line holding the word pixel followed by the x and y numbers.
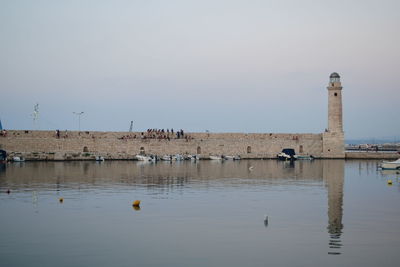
pixel 333 138
pixel 335 118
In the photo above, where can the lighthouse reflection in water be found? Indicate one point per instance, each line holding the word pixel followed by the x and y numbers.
pixel 306 213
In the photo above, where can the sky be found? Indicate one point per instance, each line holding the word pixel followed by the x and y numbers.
pixel 217 65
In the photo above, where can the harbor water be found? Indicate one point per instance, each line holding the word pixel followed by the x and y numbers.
pixel 207 213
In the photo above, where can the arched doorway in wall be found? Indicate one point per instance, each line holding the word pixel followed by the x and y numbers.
pixel 198 150
pixel 248 149
pixel 142 151
pixel 301 149
pixel 85 149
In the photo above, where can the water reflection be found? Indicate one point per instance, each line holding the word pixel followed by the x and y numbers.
pixel 163 175
pixel 333 171
pixel 163 178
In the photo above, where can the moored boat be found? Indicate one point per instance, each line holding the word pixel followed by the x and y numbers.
pixel 167 158
pixel 287 154
pixel 391 165
pixel 18 159
pixel 143 158
pixel 178 157
pixel 215 157
pixel 304 157
pixel 99 158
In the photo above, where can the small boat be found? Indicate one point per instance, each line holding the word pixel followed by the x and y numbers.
pixel 287 154
pixel 99 158
pixel 166 158
pixel 215 157
pixel 143 158
pixel 194 157
pixel 178 157
pixel 311 157
pixel 191 157
pixel 18 159
pixel 391 165
pixel 237 157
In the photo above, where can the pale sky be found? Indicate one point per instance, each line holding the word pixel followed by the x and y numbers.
pixel 217 65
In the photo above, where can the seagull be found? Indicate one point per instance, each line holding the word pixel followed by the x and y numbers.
pixel 251 168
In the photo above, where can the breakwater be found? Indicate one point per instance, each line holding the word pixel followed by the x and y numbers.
pixel 86 145
pixel 372 155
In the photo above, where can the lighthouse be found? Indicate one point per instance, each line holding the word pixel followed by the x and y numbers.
pixel 335 117
pixel 333 138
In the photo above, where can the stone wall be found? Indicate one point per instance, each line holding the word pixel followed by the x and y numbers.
pixel 372 155
pixel 44 145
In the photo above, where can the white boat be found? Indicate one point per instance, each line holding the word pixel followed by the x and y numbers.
pixel 153 158
pixel 391 165
pixel 167 158
pixel 18 159
pixel 178 157
pixel 306 157
pixel 143 158
pixel 194 157
pixel 215 157
pixel 99 158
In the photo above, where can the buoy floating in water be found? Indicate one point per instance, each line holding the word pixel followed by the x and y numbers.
pixel 136 203
pixel 389 182
pixel 61 200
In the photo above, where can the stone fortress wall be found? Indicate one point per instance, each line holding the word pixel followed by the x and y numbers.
pixel 44 145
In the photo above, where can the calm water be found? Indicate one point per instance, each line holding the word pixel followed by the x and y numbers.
pixel 321 213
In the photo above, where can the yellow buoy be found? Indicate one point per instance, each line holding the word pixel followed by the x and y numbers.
pixel 136 203
pixel 390 182
pixel 61 200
